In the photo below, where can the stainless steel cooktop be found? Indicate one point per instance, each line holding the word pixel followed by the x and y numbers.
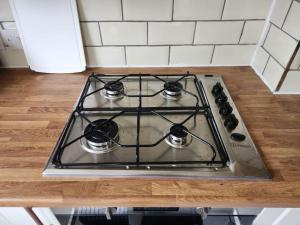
pixel 156 125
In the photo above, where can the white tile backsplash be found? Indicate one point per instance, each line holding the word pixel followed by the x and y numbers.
pixel 280 45
pixel 273 73
pixel 161 33
pixel 291 83
pixel 9 25
pixel 246 9
pixel 218 32
pixel 233 54
pixel 147 10
pixel 191 55
pixel 296 62
pixel 292 23
pixel 124 33
pixel 252 31
pixel 260 60
pixel 280 10
pixel 198 9
pixel 12 58
pixel 105 56
pixel 5 11
pixel 99 10
pixel 90 33
pixel 147 56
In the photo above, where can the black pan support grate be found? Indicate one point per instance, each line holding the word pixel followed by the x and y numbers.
pixel 191 111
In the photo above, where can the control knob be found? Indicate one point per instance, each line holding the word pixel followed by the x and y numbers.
pixel 231 122
pixel 221 98
pixel 217 88
pixel 225 109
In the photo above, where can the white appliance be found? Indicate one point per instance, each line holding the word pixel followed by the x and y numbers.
pixel 50 34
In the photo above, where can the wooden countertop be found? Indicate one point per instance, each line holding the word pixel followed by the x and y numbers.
pixel 34 108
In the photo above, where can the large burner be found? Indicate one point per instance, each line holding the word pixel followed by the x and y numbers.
pixel 172 90
pixel 113 90
pixel 178 138
pixel 100 136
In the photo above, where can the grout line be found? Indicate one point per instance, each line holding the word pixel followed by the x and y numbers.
pixel 100 34
pixel 122 13
pixel 285 73
pixel 283 31
pixel 172 17
pixel 147 33
pixel 125 55
pixel 163 45
pixel 266 65
pixel 193 20
pixel 212 55
pixel 193 41
pixel 267 34
pixel 223 10
pixel 169 55
pixel 242 32
pixel 286 15
pixel 273 57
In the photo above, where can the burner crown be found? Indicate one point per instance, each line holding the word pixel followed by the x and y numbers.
pixel 173 88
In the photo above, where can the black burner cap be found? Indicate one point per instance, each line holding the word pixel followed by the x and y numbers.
pixel 116 86
pixel 173 86
pixel 178 131
pixel 94 133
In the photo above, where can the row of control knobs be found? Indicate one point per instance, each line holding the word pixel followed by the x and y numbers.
pixel 225 108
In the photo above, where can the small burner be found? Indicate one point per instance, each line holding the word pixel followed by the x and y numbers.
pixel 172 89
pixel 113 90
pixel 100 135
pixel 178 137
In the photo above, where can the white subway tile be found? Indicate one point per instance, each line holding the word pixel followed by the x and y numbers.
pixel 105 56
pixel 246 9
pixel 171 32
pixel 147 10
pixel 291 82
pixel 218 32
pixel 233 54
pixel 90 33
pixel 279 12
pixel 292 23
pixel 148 56
pixel 252 31
pixel 260 60
pixel 273 73
pixel 12 58
pixel 198 9
pixel 9 25
pixel 296 62
pixel 191 55
pixel 99 10
pixel 124 33
pixel 5 11
pixel 280 45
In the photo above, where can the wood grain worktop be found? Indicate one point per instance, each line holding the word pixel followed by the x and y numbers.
pixel 34 108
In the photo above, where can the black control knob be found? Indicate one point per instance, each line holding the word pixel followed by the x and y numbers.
pixel 221 98
pixel 217 88
pixel 231 122
pixel 238 137
pixel 225 109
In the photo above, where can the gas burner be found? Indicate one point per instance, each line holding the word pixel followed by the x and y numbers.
pixel 172 90
pixel 178 138
pixel 100 136
pixel 113 90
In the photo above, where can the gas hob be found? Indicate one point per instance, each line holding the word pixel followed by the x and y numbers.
pixel 156 125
